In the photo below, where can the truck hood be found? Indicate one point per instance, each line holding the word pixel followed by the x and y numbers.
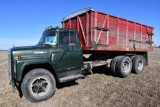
pixel 28 47
pixel 30 51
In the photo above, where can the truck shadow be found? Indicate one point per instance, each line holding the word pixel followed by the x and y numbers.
pixel 59 86
pixel 19 90
pixel 66 84
pixel 102 70
pixel 96 70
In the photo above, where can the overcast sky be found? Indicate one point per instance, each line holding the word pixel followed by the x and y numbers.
pixel 23 21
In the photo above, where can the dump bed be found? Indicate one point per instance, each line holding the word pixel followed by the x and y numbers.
pixel 103 32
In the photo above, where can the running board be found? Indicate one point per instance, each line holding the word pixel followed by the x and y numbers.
pixel 71 77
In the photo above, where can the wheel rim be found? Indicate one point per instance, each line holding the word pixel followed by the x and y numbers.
pixel 39 86
pixel 126 67
pixel 140 65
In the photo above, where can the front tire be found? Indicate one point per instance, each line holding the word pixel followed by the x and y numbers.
pixel 38 85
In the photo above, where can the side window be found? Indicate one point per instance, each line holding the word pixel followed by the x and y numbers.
pixel 63 38
pixel 67 38
pixel 73 39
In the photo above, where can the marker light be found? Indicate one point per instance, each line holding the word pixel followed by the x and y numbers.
pixel 49 27
pixel 19 56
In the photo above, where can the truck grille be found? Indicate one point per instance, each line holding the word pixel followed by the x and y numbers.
pixel 9 63
pixel 11 81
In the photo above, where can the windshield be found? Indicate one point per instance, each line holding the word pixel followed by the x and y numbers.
pixel 49 37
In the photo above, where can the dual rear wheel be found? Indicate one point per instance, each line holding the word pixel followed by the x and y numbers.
pixel 123 65
pixel 138 64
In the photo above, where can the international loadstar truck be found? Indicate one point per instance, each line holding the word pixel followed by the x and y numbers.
pixel 118 43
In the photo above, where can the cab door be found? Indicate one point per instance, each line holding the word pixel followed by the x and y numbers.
pixel 75 51
pixel 69 50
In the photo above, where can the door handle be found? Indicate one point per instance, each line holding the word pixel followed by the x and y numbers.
pixel 77 49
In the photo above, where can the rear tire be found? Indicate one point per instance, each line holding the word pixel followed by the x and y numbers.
pixel 124 66
pixel 113 64
pixel 38 85
pixel 138 64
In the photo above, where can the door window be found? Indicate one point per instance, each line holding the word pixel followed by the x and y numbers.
pixel 67 38
pixel 72 38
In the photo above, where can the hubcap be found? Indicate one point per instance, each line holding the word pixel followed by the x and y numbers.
pixel 126 67
pixel 39 86
pixel 140 65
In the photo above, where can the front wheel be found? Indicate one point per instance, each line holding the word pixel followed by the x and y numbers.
pixel 38 85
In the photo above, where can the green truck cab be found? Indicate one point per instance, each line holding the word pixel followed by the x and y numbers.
pixel 57 57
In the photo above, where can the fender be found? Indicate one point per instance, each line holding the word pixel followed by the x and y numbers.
pixel 21 64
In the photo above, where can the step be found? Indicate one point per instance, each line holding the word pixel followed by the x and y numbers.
pixel 71 77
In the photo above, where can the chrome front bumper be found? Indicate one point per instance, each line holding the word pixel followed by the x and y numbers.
pixel 11 81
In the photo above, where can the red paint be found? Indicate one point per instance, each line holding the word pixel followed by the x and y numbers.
pixel 121 31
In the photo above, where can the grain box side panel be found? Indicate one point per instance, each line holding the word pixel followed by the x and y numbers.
pixel 144 37
pixel 101 36
pixel 92 25
pixel 137 37
pixel 122 33
pixel 130 35
pixel 112 31
pixel 74 23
